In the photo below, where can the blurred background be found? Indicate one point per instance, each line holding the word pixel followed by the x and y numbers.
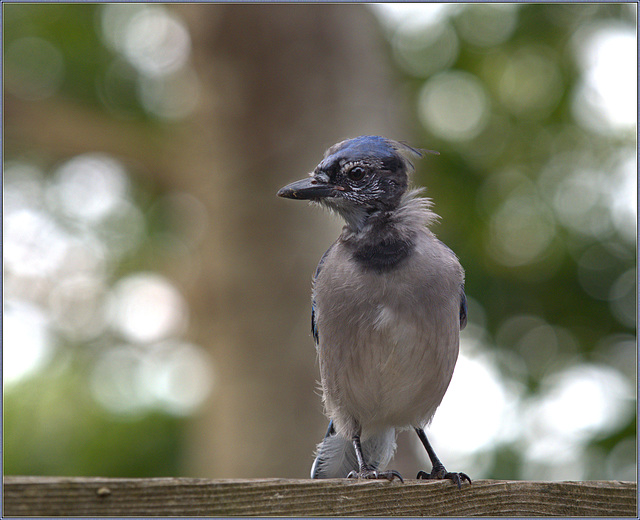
pixel 157 292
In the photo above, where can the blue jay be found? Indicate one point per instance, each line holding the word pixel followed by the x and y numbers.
pixel 387 309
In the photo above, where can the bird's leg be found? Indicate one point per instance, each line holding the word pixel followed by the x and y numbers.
pixel 438 470
pixel 368 472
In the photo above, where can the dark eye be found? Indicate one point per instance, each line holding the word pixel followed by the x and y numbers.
pixel 356 173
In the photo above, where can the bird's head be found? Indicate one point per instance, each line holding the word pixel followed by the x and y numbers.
pixel 358 177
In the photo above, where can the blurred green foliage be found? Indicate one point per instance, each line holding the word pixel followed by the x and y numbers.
pixel 465 181
pixel 73 29
pixel 54 427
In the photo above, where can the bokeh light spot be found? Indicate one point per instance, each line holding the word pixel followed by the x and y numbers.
pixel 623 196
pixel 34 244
pixel 399 15
pixel 606 98
pixel 585 400
pixel 579 202
pixel 174 376
pixel 27 341
pixel 146 307
pixel 424 50
pixel 531 83
pixel 521 230
pixel 486 25
pixel 156 42
pixel 453 105
pixel 172 96
pixel 90 186
pixel 116 383
pixel 182 377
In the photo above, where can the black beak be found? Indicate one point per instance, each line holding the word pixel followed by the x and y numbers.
pixel 307 189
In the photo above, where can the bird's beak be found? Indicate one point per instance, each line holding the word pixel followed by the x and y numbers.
pixel 308 189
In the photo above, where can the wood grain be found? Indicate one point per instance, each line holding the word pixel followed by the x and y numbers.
pixel 61 496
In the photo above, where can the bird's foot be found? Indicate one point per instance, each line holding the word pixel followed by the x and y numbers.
pixel 370 473
pixel 439 473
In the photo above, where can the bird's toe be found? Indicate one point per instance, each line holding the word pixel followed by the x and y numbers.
pixel 372 474
pixel 441 474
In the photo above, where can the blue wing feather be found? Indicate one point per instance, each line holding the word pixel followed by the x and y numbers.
pixel 463 308
pixel 314 328
pixel 463 297
pixel 314 324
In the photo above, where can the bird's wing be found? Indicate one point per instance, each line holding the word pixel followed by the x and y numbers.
pixel 463 296
pixel 463 308
pixel 314 327
pixel 314 324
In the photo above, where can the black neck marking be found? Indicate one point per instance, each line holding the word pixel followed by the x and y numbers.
pixel 383 256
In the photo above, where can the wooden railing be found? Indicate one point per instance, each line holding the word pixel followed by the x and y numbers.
pixel 61 496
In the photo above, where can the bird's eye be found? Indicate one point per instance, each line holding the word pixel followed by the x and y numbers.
pixel 356 173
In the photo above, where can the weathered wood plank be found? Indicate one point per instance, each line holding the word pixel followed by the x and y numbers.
pixel 60 496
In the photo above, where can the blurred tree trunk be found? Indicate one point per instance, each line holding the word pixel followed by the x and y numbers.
pixel 280 84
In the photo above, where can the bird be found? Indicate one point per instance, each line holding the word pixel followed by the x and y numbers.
pixel 388 304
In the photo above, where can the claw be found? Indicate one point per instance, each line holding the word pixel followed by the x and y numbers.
pixel 437 470
pixel 391 474
pixel 441 474
pixel 368 472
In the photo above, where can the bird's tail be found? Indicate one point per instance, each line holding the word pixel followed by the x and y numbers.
pixel 336 456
